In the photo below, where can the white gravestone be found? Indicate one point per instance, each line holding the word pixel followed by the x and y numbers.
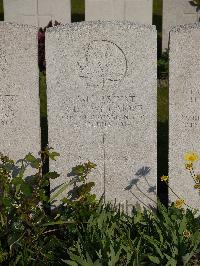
pixel 101 79
pixel 138 11
pixel 19 92
pixel 37 12
pixel 184 114
pixel 177 12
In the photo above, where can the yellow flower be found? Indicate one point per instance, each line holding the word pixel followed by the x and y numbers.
pixel 197 186
pixel 197 177
pixel 186 233
pixel 164 178
pixel 179 203
pixel 188 166
pixel 191 157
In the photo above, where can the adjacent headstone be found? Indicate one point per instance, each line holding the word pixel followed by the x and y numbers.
pixel 37 12
pixel 138 11
pixel 19 92
pixel 101 79
pixel 184 113
pixel 177 12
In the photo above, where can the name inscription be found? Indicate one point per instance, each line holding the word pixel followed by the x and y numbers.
pixel 103 111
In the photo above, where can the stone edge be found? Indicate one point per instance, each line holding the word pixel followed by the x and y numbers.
pixel 123 24
pixel 16 25
pixel 185 28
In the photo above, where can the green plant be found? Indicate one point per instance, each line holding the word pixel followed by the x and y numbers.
pixel 170 237
pixel 21 204
pixel 163 65
pixel 195 3
pixel 190 159
pixel 28 235
pixel 81 230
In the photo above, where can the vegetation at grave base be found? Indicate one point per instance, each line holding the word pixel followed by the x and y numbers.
pixel 28 235
pixel 162 104
pixel 82 230
pixel 163 65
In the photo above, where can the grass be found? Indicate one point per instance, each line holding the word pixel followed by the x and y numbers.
pixel 157 14
pixel 157 20
pixel 78 10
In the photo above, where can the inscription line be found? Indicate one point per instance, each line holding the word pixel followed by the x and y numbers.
pixel 7 95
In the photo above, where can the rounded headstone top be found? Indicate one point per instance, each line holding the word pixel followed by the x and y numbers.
pixel 16 25
pixel 125 25
pixel 185 28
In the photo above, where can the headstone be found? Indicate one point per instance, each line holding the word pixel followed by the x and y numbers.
pixel 184 114
pixel 177 12
pixel 138 11
pixel 101 79
pixel 37 12
pixel 19 92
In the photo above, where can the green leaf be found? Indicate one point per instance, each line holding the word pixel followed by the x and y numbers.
pixel 7 201
pixel 155 244
pixel 70 262
pixel 34 162
pixel 183 225
pixel 114 257
pixel 97 263
pixel 61 190
pixel 89 260
pixel 57 223
pixel 187 257
pixel 78 170
pixel 53 154
pixel 171 261
pixel 21 172
pixel 154 259
pixel 51 175
pixel 2 220
pixel 26 189
pixel 85 188
pixel 79 260
pixel 90 165
pixel 196 238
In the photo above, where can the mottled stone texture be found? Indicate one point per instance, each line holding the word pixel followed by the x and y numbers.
pixel 37 12
pixel 138 11
pixel 19 91
pixel 177 12
pixel 184 113
pixel 101 79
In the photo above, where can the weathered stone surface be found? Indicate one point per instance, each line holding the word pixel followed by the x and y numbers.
pixel 177 12
pixel 101 79
pixel 19 92
pixel 184 113
pixel 138 11
pixel 37 12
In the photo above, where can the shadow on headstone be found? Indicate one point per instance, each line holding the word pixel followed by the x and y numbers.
pixel 195 4
pixel 142 174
